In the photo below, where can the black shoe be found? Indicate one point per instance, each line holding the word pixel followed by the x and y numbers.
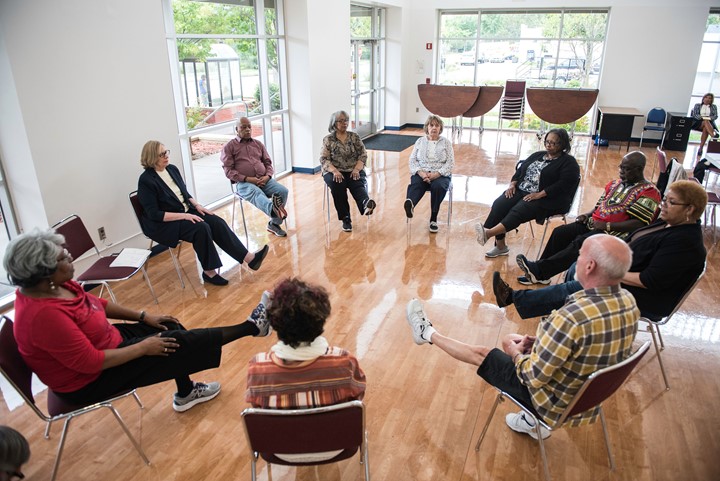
pixel 409 208
pixel 347 224
pixel 369 207
pixel 259 257
pixel 501 289
pixel 216 280
pixel 529 269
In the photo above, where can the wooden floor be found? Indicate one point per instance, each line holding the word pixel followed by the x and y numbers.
pixel 424 410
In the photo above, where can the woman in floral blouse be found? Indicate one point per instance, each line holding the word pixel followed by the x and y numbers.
pixel 342 159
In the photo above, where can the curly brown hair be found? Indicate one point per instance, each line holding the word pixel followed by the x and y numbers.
pixel 298 311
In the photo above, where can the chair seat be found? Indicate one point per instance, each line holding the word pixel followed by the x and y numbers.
pixel 101 271
pixel 713 198
pixel 650 127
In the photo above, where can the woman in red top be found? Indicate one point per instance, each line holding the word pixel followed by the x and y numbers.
pixel 64 335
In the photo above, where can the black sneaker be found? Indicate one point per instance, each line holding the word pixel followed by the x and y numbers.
pixel 528 268
pixel 369 207
pixel 276 229
pixel 347 224
pixel 409 208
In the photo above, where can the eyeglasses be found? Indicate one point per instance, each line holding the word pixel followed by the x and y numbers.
pixel 245 126
pixel 551 143
pixel 165 153
pixel 342 121
pixel 65 256
pixel 667 201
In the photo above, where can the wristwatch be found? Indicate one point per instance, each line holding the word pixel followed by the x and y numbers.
pixel 142 316
pixel 607 227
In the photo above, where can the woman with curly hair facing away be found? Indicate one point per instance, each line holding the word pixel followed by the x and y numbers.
pixel 302 370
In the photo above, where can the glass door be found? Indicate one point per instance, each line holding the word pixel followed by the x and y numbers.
pixel 363 86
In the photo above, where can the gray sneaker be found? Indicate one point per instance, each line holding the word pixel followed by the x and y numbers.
pixel 202 392
pixel 496 252
pixel 521 423
pixel 421 328
pixel 259 316
pixel 276 229
pixel 481 235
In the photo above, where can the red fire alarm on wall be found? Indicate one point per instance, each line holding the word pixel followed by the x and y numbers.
pixel 428 46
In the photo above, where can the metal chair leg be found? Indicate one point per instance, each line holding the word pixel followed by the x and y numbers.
pixel 651 329
pixel 128 433
pixel 177 264
pixel 487 423
pixel 607 439
pixel 147 281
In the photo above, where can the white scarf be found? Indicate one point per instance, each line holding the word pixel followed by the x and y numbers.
pixel 304 352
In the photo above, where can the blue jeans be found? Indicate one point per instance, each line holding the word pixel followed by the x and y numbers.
pixel 260 197
pixel 541 302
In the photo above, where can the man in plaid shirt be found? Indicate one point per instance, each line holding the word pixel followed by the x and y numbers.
pixel 595 329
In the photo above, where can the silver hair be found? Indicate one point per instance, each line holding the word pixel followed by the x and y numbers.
pixel 433 118
pixel 333 119
pixel 32 256
pixel 613 261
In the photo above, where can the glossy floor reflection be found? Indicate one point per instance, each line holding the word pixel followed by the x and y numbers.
pixel 424 410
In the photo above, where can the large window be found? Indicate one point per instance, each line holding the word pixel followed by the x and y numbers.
pixel 546 48
pixel 230 63
pixel 707 78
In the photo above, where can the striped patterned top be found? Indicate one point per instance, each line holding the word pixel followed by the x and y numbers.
pixel 330 379
pixel 595 329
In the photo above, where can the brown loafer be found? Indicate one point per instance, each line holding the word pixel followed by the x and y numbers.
pixel 501 289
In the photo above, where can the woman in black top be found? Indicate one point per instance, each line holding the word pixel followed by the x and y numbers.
pixel 543 185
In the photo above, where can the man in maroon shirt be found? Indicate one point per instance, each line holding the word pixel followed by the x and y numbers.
pixel 247 164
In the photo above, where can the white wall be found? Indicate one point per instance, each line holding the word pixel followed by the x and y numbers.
pixel 318 54
pixel 651 55
pixel 91 85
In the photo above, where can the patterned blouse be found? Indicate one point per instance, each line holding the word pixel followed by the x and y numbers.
pixel 342 155
pixel 432 156
pixel 531 181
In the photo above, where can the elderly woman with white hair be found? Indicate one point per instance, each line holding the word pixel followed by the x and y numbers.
pixel 342 159
pixel 63 333
pixel 431 165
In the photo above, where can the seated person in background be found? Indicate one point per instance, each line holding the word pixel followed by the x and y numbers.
pixel 342 158
pixel 302 370
pixel 64 336
pixel 593 330
pixel 704 115
pixel 14 452
pixel 543 185
pixel 668 257
pixel 431 165
pixel 627 204
pixel 247 164
pixel 170 214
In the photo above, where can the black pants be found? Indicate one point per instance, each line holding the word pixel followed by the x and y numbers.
pixel 200 349
pixel 357 188
pixel 699 170
pixel 514 211
pixel 204 236
pixel 498 370
pixel 563 248
pixel 438 189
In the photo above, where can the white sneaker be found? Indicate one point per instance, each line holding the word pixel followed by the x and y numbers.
pixel 521 423
pixel 202 392
pixel 421 328
pixel 481 235
pixel 259 316
pixel 497 252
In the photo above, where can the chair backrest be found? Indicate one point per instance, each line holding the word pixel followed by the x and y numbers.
pixel 603 383
pixel 661 159
pixel 77 237
pixel 137 207
pixel 656 116
pixel 713 147
pixel 515 88
pixel 300 431
pixel 13 366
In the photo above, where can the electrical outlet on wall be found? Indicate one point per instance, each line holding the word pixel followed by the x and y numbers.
pixel 101 233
